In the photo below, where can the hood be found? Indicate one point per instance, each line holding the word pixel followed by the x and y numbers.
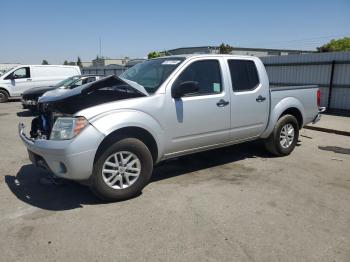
pixel 37 91
pixel 109 81
pixel 108 89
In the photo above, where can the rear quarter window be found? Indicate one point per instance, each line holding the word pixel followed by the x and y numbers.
pixel 244 75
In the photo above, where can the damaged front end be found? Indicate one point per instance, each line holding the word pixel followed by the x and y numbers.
pixel 42 125
pixel 51 145
pixel 63 104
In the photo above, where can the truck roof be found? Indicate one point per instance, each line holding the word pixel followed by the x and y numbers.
pixel 209 55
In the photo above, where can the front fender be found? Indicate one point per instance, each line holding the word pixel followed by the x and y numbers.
pixel 277 111
pixel 112 121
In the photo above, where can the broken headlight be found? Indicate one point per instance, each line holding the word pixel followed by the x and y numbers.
pixel 67 127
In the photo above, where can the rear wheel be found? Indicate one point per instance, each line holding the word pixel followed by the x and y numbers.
pixel 284 137
pixel 3 96
pixel 122 171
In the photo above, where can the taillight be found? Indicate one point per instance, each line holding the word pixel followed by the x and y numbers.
pixel 318 97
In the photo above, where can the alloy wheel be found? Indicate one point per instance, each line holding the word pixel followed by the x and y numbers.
pixel 121 169
pixel 287 135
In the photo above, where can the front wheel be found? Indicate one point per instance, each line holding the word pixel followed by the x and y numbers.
pixel 122 171
pixel 284 137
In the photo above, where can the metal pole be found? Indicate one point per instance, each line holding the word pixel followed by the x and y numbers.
pixel 330 86
pixel 100 47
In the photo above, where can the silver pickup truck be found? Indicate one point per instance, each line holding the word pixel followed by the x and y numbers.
pixel 110 133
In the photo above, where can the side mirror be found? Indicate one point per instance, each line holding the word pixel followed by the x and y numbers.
pixel 184 88
pixel 11 77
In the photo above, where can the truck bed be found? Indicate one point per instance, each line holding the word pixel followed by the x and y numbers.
pixel 305 96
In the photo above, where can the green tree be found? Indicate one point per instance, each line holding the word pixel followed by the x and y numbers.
pixel 79 62
pixel 336 45
pixel 44 62
pixel 225 49
pixel 65 62
pixel 153 54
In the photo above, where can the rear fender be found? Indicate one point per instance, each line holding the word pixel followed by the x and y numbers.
pixel 277 111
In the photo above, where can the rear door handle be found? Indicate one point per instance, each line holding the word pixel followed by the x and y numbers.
pixel 29 79
pixel 222 103
pixel 260 99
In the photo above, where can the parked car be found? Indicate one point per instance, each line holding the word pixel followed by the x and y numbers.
pixel 110 133
pixel 15 81
pixel 30 96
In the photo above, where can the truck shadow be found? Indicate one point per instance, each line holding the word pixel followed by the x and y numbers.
pixel 207 159
pixel 27 187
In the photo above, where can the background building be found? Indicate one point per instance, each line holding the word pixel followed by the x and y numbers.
pixel 329 71
pixel 110 61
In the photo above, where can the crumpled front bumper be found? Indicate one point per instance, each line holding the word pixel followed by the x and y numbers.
pixel 70 159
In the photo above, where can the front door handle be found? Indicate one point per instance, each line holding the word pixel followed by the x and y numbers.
pixel 222 103
pixel 29 79
pixel 260 99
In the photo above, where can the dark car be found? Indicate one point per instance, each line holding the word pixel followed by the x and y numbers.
pixel 30 96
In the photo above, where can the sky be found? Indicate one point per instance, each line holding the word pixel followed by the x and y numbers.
pixel 62 30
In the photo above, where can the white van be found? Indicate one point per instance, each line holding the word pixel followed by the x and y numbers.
pixel 20 78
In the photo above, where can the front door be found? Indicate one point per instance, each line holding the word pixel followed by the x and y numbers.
pixel 19 81
pixel 200 119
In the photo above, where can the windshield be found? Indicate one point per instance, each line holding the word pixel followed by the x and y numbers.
pixel 67 82
pixel 152 73
pixel 6 71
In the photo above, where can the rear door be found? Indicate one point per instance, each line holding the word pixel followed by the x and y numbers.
pixel 200 119
pixel 249 99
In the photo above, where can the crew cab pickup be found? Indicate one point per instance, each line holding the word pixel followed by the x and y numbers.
pixel 110 133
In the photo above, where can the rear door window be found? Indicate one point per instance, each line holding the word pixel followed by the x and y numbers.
pixel 244 75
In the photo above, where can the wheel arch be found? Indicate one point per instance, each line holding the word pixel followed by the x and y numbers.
pixel 4 89
pixel 296 113
pixel 127 132
pixel 6 95
pixel 288 105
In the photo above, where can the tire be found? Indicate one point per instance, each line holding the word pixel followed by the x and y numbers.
pixel 3 96
pixel 275 143
pixel 140 158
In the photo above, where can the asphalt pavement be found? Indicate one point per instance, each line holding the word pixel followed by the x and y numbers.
pixel 231 204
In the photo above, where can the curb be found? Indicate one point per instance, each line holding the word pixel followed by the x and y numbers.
pixel 328 130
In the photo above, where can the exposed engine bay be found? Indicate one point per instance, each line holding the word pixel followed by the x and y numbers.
pixel 65 103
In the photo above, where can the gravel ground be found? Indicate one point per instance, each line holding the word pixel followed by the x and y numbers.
pixel 231 204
